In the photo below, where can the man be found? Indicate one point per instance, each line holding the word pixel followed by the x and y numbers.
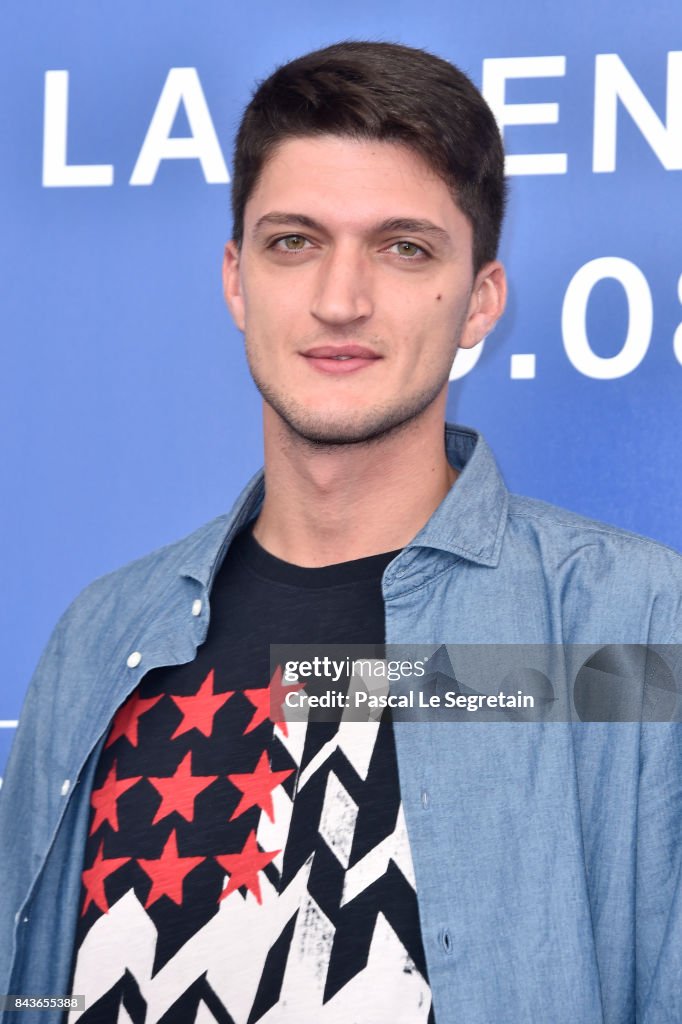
pixel 172 853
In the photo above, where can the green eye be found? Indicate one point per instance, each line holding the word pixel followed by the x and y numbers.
pixel 293 242
pixel 408 249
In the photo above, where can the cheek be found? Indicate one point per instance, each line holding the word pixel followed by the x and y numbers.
pixel 440 329
pixel 272 303
pixel 452 311
pixel 443 314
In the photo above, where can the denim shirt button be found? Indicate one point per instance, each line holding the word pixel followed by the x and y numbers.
pixel 66 786
pixel 134 659
pixel 196 607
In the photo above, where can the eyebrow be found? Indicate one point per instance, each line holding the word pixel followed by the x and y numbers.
pixel 286 218
pixel 417 227
pixel 409 225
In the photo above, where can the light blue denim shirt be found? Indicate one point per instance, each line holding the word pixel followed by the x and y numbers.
pixel 548 857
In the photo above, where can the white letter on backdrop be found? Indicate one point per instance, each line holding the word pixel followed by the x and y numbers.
pixel 640 321
pixel 496 71
pixel 56 172
pixel 677 336
pixel 465 360
pixel 614 82
pixel 181 86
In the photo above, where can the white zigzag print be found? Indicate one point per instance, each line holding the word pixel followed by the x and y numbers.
pixel 229 952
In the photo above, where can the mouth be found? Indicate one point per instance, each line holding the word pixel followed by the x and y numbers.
pixel 340 359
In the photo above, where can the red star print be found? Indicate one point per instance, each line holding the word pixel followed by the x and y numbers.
pixel 198 711
pixel 104 799
pixel 243 867
pixel 127 717
pixel 179 792
pixel 257 787
pixel 95 876
pixel 168 872
pixel 270 697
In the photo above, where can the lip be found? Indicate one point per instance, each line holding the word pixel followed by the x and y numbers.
pixel 324 358
pixel 330 351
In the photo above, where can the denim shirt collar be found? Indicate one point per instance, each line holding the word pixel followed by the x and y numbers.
pixel 469 522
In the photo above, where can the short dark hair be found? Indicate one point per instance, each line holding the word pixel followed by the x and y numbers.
pixel 390 93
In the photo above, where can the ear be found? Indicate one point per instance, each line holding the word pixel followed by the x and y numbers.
pixel 232 284
pixel 486 306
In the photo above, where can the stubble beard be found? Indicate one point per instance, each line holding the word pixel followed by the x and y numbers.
pixel 370 427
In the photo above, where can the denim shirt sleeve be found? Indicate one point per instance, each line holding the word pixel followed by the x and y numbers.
pixel 658 894
pixel 27 798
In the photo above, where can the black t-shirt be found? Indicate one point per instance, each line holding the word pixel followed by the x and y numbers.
pixel 241 871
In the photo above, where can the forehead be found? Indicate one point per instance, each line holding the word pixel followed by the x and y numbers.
pixel 342 181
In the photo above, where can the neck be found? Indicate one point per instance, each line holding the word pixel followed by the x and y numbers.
pixel 329 505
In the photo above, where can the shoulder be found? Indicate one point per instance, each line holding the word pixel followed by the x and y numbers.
pixel 598 573
pixel 192 558
pixel 132 586
pixel 568 532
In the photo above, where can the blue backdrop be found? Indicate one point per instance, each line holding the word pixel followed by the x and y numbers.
pixel 127 412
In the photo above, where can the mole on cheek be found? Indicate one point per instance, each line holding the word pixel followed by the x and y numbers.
pixel 438 298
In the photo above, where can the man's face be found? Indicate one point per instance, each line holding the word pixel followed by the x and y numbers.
pixel 354 287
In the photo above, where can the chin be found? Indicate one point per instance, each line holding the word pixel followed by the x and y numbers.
pixel 327 433
pixel 330 428
pixel 323 429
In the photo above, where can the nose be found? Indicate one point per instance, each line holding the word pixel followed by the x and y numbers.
pixel 343 288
